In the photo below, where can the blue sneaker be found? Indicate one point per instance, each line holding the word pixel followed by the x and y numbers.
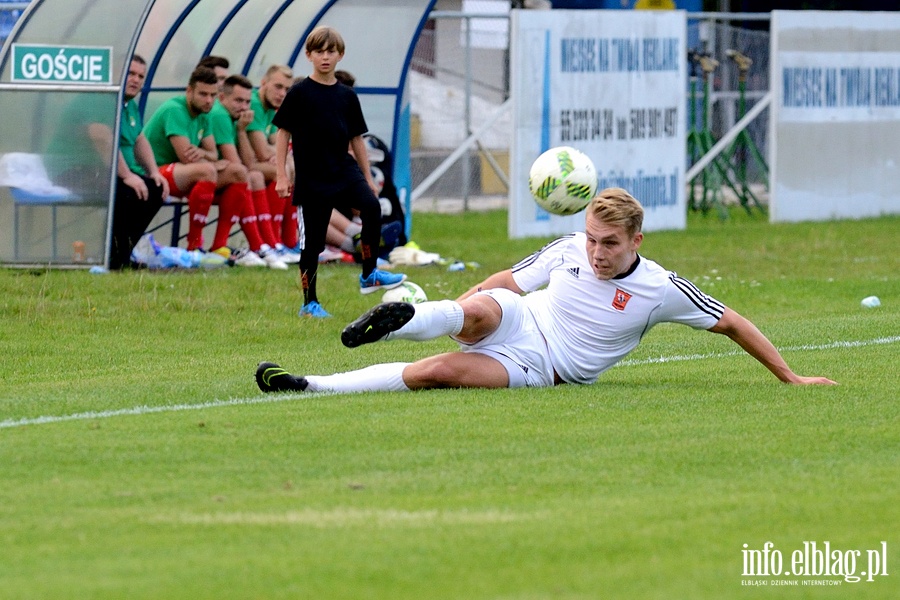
pixel 315 310
pixel 380 280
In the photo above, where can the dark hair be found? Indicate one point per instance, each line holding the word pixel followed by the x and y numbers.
pixel 203 75
pixel 236 80
pixel 138 59
pixel 213 62
pixel 345 77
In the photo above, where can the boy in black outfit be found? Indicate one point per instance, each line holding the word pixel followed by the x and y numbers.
pixel 322 117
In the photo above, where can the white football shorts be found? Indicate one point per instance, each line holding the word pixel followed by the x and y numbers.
pixel 517 343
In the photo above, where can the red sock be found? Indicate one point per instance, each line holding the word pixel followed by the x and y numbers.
pixel 231 205
pixel 250 222
pixel 263 217
pixel 200 198
pixel 290 236
pixel 276 209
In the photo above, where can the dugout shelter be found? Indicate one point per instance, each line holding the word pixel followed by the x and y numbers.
pixel 64 65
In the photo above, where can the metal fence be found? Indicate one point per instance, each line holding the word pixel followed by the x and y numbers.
pixel 460 82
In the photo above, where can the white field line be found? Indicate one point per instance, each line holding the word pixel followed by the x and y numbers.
pixel 352 517
pixel 146 410
pixel 833 345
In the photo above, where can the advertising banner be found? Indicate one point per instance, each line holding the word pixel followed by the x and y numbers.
pixel 835 115
pixel 611 84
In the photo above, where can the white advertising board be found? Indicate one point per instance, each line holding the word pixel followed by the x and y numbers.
pixel 835 117
pixel 612 84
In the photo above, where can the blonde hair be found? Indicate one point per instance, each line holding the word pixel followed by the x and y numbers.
pixel 615 206
pixel 324 38
pixel 283 69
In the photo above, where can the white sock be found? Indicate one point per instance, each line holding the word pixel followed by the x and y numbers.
pixel 347 245
pixel 377 378
pixel 432 320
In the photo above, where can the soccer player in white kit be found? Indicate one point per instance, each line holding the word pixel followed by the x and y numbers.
pixel 565 314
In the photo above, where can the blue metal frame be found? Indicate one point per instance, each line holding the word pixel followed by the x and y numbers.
pixel 265 33
pixel 218 33
pixel 401 163
pixel 154 63
pixel 401 86
pixel 20 22
pixel 298 49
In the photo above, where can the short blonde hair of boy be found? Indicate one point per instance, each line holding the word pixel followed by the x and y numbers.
pixel 325 38
pixel 615 206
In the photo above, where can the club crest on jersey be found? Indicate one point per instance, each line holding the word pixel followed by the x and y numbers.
pixel 620 299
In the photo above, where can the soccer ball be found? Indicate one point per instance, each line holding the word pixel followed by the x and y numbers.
pixel 405 292
pixel 562 180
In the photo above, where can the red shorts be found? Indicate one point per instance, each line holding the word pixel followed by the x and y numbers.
pixel 168 171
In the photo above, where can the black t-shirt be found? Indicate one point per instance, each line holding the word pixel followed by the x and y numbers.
pixel 322 119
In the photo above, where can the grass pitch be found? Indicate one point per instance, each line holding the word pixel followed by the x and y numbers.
pixel 140 461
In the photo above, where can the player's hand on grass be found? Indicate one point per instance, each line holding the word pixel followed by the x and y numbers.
pixel 800 380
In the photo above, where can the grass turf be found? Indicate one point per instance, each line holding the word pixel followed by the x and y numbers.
pixel 645 485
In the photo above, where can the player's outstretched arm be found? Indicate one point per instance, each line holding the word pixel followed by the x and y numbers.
pixel 746 335
pixel 501 279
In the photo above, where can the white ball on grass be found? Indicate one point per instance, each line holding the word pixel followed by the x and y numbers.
pixel 405 292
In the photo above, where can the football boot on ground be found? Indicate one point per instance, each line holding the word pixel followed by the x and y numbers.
pixel 272 378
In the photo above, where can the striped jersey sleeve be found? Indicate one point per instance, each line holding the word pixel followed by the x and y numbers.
pixel 701 301
pixel 533 272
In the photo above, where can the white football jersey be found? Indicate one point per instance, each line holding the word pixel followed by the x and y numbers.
pixel 591 324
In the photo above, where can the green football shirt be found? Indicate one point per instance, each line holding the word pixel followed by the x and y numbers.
pixel 174 118
pixel 262 118
pixel 222 126
pixel 129 130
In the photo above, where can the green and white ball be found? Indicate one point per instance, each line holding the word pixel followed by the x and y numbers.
pixel 405 292
pixel 562 180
